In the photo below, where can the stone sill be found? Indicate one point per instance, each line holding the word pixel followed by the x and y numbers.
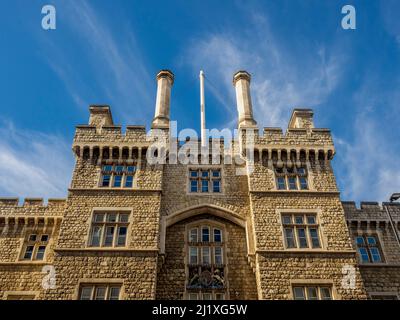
pixel 114 189
pixel 379 265
pixel 298 251
pixel 105 250
pixel 26 263
pixel 286 192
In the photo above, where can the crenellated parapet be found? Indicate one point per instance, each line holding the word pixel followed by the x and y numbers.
pixel 371 214
pixel 31 212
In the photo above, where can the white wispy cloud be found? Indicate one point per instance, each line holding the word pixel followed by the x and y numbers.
pixel 114 61
pixel 33 164
pixel 279 82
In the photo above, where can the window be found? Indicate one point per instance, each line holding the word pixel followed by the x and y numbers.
pixel 100 292
pixel 368 248
pixel 205 181
pixel 20 296
pixel 206 263
pixel 291 178
pixel 117 176
pixel 312 292
pixel 34 248
pixel 301 231
pixel 389 296
pixel 109 229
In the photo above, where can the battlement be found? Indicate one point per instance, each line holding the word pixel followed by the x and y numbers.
pixel 31 203
pixel 371 211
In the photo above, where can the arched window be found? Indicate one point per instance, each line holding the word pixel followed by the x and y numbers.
pixel 205 262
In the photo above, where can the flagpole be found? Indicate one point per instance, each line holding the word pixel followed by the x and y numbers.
pixel 202 111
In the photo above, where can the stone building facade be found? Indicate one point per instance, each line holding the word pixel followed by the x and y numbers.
pixel 261 219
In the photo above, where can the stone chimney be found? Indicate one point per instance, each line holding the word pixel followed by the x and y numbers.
pixel 302 119
pixel 100 116
pixel 165 80
pixel 241 82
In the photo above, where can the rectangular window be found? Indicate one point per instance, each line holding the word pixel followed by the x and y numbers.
pixel 217 235
pixel 301 231
pixel 129 182
pixel 117 181
pixel 193 296
pixel 193 255
pixel 193 235
pixel 218 255
pixel 312 292
pixel 205 180
pixel 109 229
pixel 368 248
pixel 100 292
pixel 35 247
pixel 295 178
pixel 292 183
pixel 206 255
pixel 205 232
pixel 281 183
pixel 117 176
pixel 207 296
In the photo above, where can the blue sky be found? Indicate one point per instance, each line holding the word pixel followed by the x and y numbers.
pixel 109 52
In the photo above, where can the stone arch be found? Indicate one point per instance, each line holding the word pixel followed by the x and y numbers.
pixel 167 221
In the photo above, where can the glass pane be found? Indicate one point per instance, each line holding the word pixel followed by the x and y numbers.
pixel 303 183
pixel 100 293
pixel 194 173
pixel 292 183
pixel 299 293
pixel 326 293
pixel 376 256
pixel 193 296
pixel 107 168
pixel 129 182
pixel 40 252
pixel 290 243
pixel 206 255
pixel 108 240
pixel 205 234
pixel 312 293
pixel 281 183
pixel 219 296
pixel 111 217
pixel 216 186
pixel 193 255
pixel 123 217
pixel 363 254
pixel 217 235
pixel 204 174
pixel 299 220
pixel 314 238
pixel 96 235
pixel 371 240
pixel 106 181
pixel 119 169
pixel 207 296
pixel 216 173
pixel 130 169
pixel 193 185
pixel 86 293
pixel 44 238
pixel 301 233
pixel 117 181
pixel 28 252
pixel 98 217
pixel 204 185
pixel 32 237
pixel 193 235
pixel 360 240
pixel 114 293
pixel 301 170
pixel 218 255
pixel 286 219
pixel 121 236
pixel 311 220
